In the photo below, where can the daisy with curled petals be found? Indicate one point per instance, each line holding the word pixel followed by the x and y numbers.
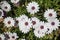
pixel 1 13
pixel 54 23
pixel 5 6
pixel 49 29
pixel 9 22
pixel 33 7
pixel 35 21
pixel 15 1
pixel 2 37
pixel 25 25
pixel 38 33
pixel 6 34
pixel 50 14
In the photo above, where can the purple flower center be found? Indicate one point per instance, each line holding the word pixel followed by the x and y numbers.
pixel 26 23
pixel 17 21
pixel 50 14
pixel 53 23
pixel 33 22
pixel 6 7
pixel 33 8
pixel 9 22
pixel 13 37
pixel 48 29
pixel 42 27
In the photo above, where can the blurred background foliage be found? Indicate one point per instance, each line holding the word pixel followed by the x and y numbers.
pixel 21 9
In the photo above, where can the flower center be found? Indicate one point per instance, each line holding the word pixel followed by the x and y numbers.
pixel 33 8
pixel 50 14
pixel 7 36
pixel 6 7
pixel 9 22
pixel 0 38
pixel 13 37
pixel 0 13
pixel 42 27
pixel 53 23
pixel 33 22
pixel 17 21
pixel 26 23
pixel 48 29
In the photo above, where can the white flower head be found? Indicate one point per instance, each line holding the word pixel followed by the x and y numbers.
pixel 50 14
pixel 9 22
pixel 15 1
pixel 54 23
pixel 38 33
pixel 42 27
pixel 5 6
pixel 2 37
pixel 33 7
pixel 35 22
pixel 25 25
pixel 1 13
pixel 13 36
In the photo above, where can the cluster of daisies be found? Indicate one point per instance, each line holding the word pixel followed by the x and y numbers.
pixel 5 6
pixel 8 36
pixel 25 23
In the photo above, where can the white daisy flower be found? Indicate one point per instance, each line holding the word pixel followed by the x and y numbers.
pixel 50 14
pixel 54 23
pixel 9 22
pixel 11 36
pixel 41 30
pixel 2 37
pixel 25 25
pixel 1 13
pixel 38 33
pixel 42 27
pixel 15 1
pixel 5 6
pixel 21 18
pixel 49 29
pixel 33 7
pixel 35 22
